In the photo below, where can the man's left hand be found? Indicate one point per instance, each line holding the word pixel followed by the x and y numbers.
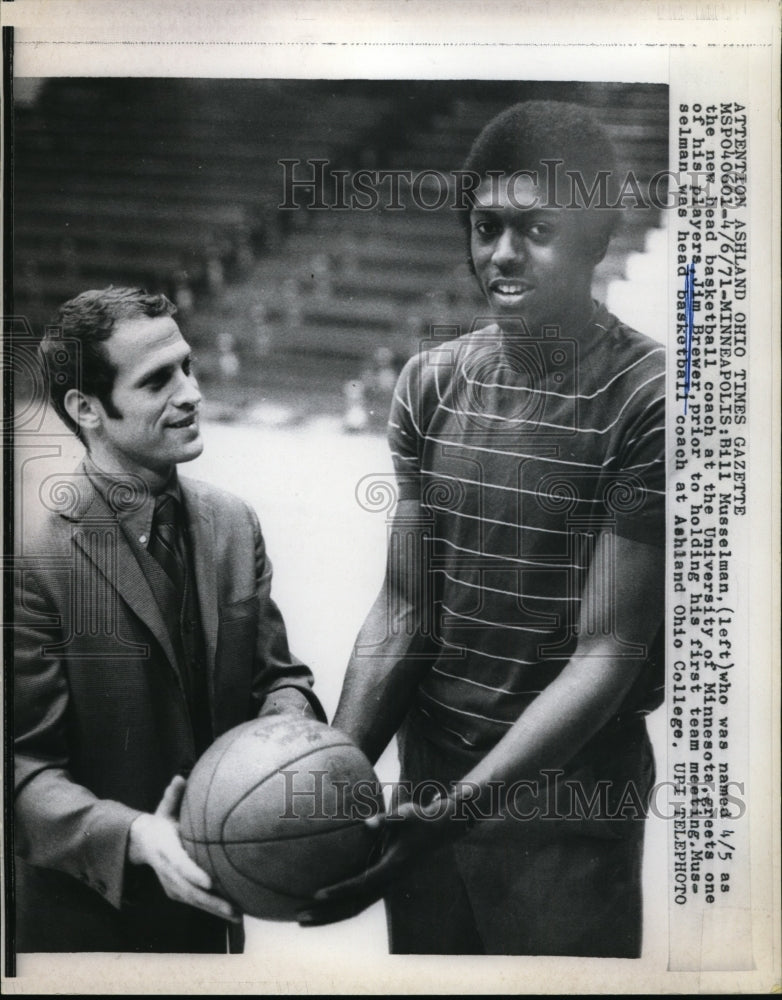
pixel 405 837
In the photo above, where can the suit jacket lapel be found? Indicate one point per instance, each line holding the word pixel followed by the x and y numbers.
pixel 202 528
pixel 92 523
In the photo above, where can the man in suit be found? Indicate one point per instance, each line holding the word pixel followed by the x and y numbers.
pixel 144 628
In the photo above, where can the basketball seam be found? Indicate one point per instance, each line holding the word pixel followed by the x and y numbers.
pixel 265 885
pixel 208 844
pixel 278 840
pixel 293 760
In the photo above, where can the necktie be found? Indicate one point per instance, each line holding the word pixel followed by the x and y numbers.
pixel 166 543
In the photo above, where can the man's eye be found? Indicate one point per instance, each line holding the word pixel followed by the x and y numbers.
pixel 485 229
pixel 541 231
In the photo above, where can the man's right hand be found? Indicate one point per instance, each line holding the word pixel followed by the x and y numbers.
pixel 405 838
pixel 154 840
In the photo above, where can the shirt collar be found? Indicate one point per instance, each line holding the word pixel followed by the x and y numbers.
pixel 130 498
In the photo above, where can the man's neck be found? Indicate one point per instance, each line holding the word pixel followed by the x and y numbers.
pixel 156 479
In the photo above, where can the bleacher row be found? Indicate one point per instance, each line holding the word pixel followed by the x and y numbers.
pixel 176 184
pixel 158 182
pixel 386 277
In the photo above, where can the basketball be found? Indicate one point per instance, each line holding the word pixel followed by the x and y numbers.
pixel 274 811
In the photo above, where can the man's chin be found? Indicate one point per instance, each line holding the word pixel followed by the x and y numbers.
pixel 191 451
pixel 517 311
pixel 515 320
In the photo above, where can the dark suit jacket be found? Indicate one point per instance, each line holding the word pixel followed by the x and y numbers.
pixel 101 724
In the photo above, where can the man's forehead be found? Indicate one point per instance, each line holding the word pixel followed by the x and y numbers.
pixel 145 340
pixel 523 189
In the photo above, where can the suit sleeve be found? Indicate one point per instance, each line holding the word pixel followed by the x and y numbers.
pixel 281 682
pixel 59 823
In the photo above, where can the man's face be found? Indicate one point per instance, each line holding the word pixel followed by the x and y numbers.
pixel 532 263
pixel 156 394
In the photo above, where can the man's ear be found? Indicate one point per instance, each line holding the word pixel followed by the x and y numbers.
pixel 600 248
pixel 82 410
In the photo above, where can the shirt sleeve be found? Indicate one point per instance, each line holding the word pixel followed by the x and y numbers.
pixel 404 432
pixel 636 495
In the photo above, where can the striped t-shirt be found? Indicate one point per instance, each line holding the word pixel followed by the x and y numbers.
pixel 521 451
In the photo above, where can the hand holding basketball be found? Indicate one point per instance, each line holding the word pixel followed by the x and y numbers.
pixel 407 835
pixel 154 840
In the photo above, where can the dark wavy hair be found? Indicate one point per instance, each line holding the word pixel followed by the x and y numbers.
pixel 525 135
pixel 73 348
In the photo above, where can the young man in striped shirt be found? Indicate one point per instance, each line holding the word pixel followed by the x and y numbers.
pixel 516 645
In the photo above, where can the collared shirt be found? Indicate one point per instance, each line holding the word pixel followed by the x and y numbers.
pixel 130 499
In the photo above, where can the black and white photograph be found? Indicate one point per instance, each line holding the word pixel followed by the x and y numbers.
pixel 388 455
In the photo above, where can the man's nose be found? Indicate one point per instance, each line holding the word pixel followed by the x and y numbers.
pixel 187 391
pixel 509 249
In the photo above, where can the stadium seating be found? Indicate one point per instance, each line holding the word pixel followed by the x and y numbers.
pixel 176 184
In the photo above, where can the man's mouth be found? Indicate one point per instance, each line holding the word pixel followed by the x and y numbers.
pixel 508 287
pixel 187 421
